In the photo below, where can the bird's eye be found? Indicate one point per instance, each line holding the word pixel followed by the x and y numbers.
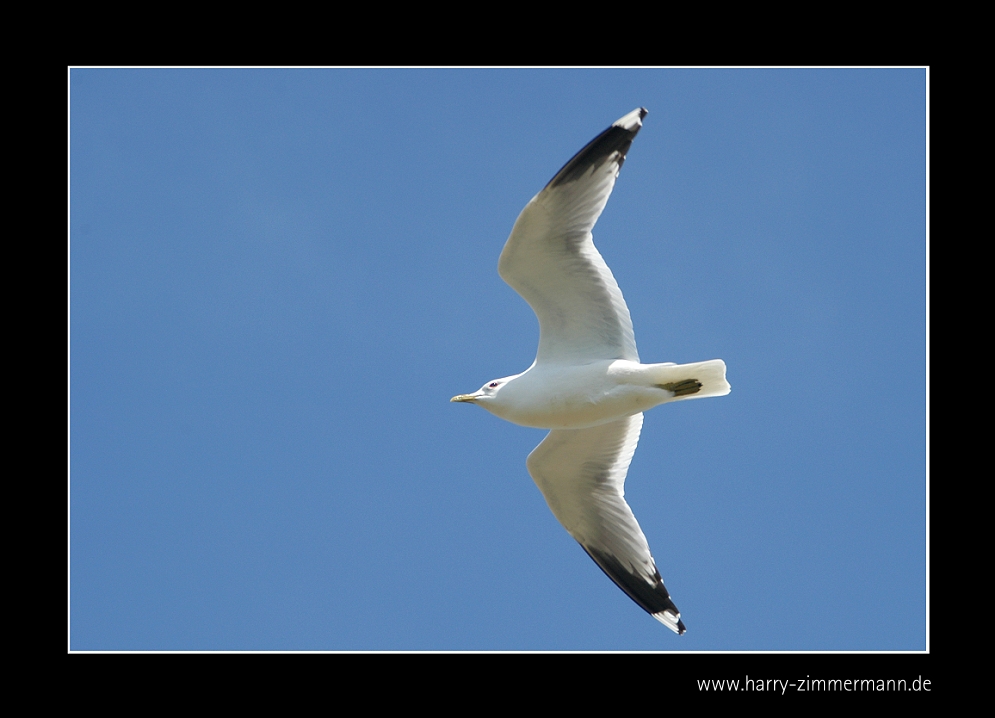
pixel 492 384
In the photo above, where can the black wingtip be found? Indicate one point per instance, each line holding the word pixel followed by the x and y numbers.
pixel 612 143
pixel 652 598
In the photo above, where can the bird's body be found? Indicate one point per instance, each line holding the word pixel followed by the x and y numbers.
pixel 579 396
pixel 587 384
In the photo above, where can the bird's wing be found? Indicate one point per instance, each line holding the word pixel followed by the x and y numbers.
pixel 550 257
pixel 581 472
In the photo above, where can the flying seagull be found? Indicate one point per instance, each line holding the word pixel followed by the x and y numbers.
pixel 586 383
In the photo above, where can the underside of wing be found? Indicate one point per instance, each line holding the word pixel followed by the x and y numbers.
pixel 551 261
pixel 581 473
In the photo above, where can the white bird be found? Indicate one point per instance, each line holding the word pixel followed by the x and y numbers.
pixel 586 383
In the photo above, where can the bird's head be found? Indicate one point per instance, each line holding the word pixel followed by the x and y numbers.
pixel 487 394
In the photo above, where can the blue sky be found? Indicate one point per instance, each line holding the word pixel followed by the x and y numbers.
pixel 278 278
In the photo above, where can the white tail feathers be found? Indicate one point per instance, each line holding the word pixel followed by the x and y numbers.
pixel 691 381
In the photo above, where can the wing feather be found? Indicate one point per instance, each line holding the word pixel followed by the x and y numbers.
pixel 581 473
pixel 551 261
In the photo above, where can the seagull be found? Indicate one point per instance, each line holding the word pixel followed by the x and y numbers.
pixel 587 384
